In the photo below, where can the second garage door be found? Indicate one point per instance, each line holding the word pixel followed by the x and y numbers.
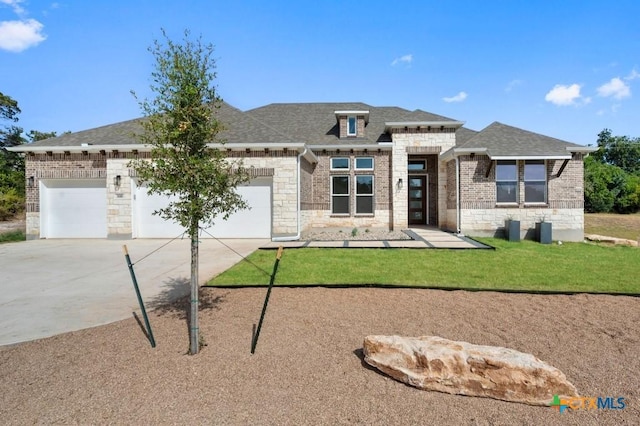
pixel 250 223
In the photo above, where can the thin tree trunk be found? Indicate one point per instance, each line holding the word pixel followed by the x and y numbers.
pixel 195 332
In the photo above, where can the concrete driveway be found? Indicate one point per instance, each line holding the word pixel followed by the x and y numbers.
pixel 48 287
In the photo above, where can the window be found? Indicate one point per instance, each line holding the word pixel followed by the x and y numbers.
pixel 364 163
pixel 352 126
pixel 340 163
pixel 364 194
pixel 507 181
pixel 340 194
pixel 416 165
pixel 535 181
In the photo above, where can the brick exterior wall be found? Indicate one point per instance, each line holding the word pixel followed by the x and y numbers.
pixel 316 198
pixel 481 216
pixel 343 127
pixel 451 221
pixel 58 166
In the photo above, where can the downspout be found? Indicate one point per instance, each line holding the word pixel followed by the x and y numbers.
pixel 458 217
pixel 297 236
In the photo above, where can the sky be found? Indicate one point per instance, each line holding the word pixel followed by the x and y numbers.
pixel 566 69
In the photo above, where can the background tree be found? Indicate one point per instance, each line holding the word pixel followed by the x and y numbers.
pixel 180 123
pixel 11 163
pixel 35 135
pixel 12 179
pixel 620 151
pixel 612 175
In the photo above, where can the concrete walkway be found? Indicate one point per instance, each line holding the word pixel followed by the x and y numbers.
pixel 48 287
pixel 422 238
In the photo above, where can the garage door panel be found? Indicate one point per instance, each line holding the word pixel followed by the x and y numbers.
pixel 150 225
pixel 250 223
pixel 74 208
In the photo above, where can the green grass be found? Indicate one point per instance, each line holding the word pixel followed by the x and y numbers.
pixel 523 266
pixel 12 237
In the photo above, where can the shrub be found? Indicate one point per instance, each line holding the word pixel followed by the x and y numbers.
pixel 11 203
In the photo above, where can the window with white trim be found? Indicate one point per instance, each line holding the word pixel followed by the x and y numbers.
pixel 352 126
pixel 364 194
pixel 535 181
pixel 340 163
pixel 364 163
pixel 340 195
pixel 507 181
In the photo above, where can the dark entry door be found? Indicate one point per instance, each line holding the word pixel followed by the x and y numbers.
pixel 418 200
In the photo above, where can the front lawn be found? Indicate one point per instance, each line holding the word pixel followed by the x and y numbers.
pixel 523 266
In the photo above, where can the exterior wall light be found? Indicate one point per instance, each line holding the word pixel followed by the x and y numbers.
pixel 31 182
pixel 399 184
pixel 117 180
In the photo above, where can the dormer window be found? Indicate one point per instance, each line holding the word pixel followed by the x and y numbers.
pixel 351 123
pixel 352 126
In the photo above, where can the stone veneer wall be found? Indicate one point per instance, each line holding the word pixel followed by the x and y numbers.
pixel 316 196
pixel 119 213
pixel 430 141
pixel 481 216
pixel 284 190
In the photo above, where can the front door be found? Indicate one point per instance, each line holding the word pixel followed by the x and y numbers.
pixel 418 209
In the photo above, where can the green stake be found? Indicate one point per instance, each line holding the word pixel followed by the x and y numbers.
pixel 254 342
pixel 142 308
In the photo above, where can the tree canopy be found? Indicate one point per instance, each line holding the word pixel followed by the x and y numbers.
pixel 612 175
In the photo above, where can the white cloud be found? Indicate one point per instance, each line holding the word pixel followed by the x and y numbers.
pixel 512 85
pixel 615 88
pixel 16 36
pixel 19 35
pixel 457 98
pixel 406 59
pixel 632 75
pixel 15 5
pixel 562 95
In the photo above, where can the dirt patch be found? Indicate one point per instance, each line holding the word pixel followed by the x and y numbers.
pixel 13 225
pixel 626 226
pixel 308 366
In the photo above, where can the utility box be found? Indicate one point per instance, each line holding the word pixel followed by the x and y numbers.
pixel 544 232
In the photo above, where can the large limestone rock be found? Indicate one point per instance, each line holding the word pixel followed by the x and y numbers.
pixel 434 363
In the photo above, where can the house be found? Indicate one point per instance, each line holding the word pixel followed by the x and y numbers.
pixel 320 165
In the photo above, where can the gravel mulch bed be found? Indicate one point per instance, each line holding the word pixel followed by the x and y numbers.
pixel 307 368
pixel 356 234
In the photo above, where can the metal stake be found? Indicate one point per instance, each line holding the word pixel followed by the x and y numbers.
pixel 135 285
pixel 254 342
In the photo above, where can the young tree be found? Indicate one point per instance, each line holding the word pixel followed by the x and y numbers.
pixel 180 123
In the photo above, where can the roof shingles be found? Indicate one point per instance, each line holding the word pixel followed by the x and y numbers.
pixel 315 125
pixel 502 140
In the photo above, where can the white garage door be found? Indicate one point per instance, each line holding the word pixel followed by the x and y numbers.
pixel 250 223
pixel 71 208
